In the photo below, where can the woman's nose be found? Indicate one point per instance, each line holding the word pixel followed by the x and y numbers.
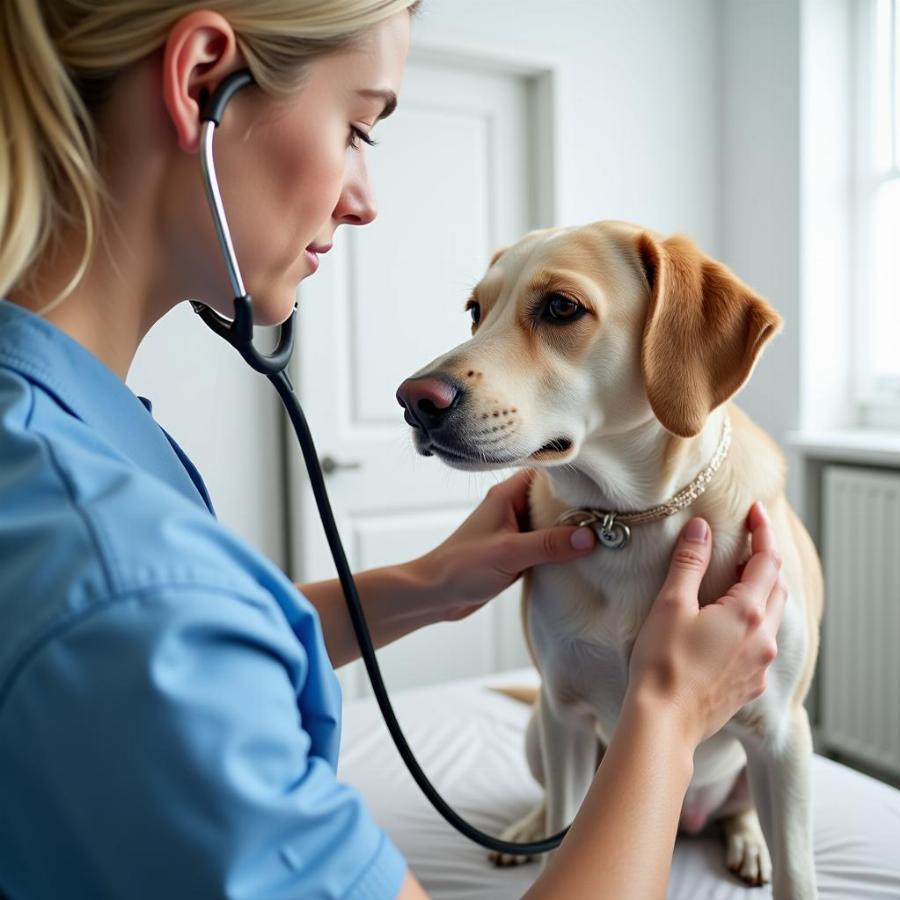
pixel 356 205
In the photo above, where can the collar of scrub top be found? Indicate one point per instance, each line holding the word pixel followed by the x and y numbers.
pixel 89 390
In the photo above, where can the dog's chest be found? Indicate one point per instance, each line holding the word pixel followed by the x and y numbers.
pixel 583 620
pixel 584 617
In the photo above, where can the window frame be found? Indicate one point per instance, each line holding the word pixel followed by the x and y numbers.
pixel 877 395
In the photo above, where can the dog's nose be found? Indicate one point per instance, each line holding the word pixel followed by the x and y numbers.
pixel 427 400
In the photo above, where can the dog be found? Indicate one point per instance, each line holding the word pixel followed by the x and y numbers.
pixel 605 357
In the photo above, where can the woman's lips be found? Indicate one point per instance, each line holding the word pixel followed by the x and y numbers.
pixel 312 254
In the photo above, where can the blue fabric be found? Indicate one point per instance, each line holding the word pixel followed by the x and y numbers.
pixel 169 718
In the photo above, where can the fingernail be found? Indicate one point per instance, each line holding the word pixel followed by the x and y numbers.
pixel 762 509
pixel 695 531
pixel 582 538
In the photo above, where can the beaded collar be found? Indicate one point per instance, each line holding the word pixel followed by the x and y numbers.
pixel 614 528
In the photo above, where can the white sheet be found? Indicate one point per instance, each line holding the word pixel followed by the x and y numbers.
pixel 470 743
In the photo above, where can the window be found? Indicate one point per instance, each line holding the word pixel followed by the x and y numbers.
pixel 877 203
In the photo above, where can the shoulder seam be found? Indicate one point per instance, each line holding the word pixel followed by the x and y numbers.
pixel 58 628
pixel 31 402
pixel 66 483
pixel 89 525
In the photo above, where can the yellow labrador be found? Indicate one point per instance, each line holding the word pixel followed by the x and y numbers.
pixel 605 356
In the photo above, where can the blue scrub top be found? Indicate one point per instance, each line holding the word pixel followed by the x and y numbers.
pixel 169 717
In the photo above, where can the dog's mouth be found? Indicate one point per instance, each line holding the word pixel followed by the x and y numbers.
pixel 558 446
pixel 463 456
pixel 473 456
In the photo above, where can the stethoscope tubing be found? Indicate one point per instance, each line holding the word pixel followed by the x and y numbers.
pixel 239 333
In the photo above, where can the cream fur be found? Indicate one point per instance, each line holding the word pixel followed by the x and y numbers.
pixel 605 383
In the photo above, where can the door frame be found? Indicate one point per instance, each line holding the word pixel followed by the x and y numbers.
pixel 544 76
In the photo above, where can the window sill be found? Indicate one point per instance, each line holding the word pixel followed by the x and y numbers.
pixel 868 446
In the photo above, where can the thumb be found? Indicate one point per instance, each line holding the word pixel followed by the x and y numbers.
pixel 558 544
pixel 690 559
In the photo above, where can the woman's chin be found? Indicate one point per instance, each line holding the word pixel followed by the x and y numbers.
pixel 273 307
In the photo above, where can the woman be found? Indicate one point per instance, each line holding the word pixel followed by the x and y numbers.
pixel 169 714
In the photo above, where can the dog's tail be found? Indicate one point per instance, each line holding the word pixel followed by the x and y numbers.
pixel 522 693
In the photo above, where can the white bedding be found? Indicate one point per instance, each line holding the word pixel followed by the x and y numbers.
pixel 469 741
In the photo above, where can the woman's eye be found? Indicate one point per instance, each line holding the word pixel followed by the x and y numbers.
pixel 357 135
pixel 559 308
pixel 475 312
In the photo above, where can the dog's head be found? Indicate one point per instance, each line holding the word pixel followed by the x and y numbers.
pixel 586 331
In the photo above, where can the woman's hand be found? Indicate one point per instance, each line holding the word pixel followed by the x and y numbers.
pixel 493 547
pixel 709 662
pixel 486 554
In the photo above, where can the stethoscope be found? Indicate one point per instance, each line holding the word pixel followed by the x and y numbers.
pixel 239 333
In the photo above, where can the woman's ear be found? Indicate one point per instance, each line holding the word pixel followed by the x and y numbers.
pixel 200 51
pixel 703 334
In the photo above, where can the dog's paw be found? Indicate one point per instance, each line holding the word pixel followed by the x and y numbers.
pixel 528 828
pixel 746 853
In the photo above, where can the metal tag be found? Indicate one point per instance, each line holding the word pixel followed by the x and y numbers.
pixel 612 534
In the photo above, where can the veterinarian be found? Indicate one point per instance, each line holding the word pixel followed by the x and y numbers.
pixel 169 712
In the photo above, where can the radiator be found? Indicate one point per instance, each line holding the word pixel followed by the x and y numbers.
pixel 860 664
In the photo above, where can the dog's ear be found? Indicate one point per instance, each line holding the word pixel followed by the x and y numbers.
pixel 497 254
pixel 703 333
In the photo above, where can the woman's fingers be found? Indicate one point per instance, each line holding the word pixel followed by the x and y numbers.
pixel 775 605
pixel 688 565
pixel 517 552
pixel 761 572
pixel 762 537
pixel 513 491
pixel 514 488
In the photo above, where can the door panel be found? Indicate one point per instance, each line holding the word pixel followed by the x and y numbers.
pixel 425 657
pixel 396 261
pixel 453 174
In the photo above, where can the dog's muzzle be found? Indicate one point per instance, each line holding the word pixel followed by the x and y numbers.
pixel 427 402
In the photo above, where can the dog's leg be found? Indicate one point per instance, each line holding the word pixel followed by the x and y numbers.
pixel 779 769
pixel 531 827
pixel 746 853
pixel 567 761
pixel 533 745
pixel 569 754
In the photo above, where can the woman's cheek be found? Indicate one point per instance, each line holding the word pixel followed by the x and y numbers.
pixel 329 183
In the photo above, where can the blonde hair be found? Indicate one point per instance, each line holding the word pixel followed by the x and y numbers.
pixel 58 62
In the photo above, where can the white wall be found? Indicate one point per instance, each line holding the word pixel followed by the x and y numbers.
pixel 638 133
pixel 759 187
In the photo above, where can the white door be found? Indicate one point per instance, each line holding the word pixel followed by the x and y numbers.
pixel 453 175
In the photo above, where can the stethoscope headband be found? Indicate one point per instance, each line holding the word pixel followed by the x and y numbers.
pixel 238 331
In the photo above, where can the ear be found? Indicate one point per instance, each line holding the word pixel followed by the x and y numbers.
pixel 703 334
pixel 497 254
pixel 200 51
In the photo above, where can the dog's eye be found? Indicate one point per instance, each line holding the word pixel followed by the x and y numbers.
pixel 560 308
pixel 475 311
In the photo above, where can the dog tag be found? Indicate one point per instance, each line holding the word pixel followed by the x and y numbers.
pixel 612 534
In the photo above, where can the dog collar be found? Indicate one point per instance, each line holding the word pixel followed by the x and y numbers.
pixel 614 528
